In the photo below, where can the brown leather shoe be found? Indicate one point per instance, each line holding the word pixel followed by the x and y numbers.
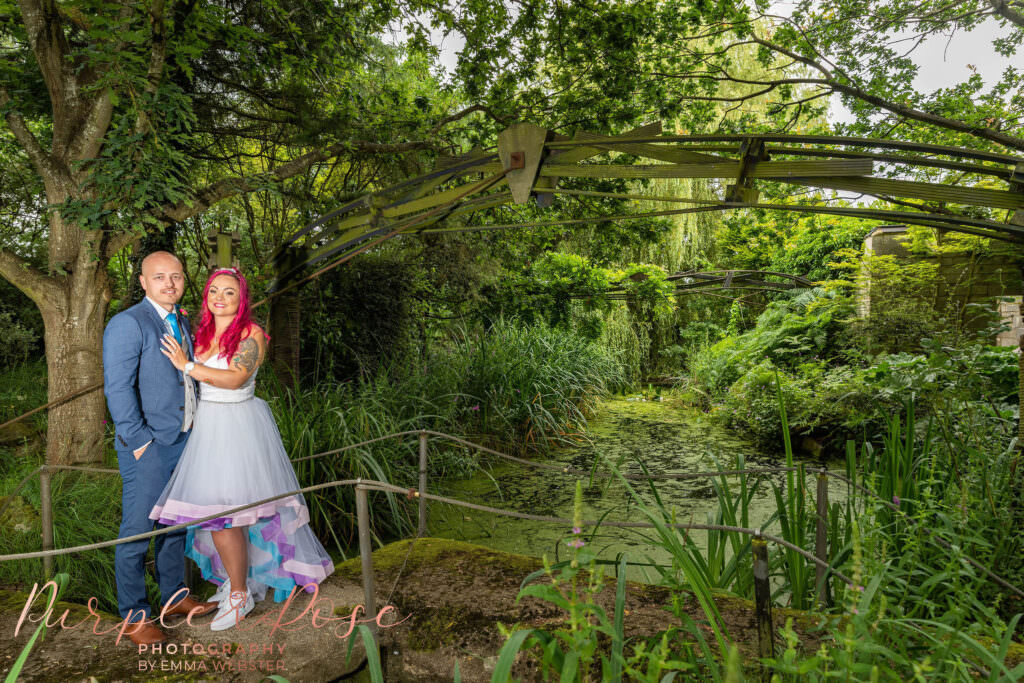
pixel 186 605
pixel 146 633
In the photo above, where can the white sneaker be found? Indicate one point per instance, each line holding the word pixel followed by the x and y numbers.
pixel 232 610
pixel 222 592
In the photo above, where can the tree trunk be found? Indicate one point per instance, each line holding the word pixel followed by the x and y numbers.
pixel 74 360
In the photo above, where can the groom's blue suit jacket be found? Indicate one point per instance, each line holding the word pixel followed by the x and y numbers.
pixel 145 393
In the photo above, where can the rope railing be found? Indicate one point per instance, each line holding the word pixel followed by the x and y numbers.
pixel 390 488
pixel 387 487
pixel 47 553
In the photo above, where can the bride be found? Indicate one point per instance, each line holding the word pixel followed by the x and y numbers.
pixel 234 457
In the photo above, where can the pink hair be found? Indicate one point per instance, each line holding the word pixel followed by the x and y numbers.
pixel 232 336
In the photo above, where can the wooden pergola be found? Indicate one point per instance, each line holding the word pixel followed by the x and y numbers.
pixel 530 162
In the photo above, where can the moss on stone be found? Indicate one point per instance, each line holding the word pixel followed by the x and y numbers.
pixel 437 551
pixel 13 601
pixel 436 629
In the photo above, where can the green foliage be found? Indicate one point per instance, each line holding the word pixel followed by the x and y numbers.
pixel 83 513
pixel 902 305
pixel 520 388
pixel 357 319
pixel 787 334
pixel 811 246
pixel 572 650
pixel 17 342
pixel 21 327
pixel 560 278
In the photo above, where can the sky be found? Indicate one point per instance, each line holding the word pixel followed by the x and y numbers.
pixel 942 63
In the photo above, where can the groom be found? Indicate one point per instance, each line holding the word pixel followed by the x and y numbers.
pixel 152 406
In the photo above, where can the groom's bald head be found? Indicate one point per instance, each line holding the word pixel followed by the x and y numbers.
pixel 163 278
pixel 159 259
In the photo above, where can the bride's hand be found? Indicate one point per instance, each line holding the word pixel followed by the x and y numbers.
pixel 174 352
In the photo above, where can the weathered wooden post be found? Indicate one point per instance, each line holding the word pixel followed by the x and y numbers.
pixel 285 316
pixel 366 555
pixel 763 600
pixel 821 539
pixel 220 243
pixel 423 485
pixel 46 519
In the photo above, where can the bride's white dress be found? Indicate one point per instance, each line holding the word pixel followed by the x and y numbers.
pixel 234 457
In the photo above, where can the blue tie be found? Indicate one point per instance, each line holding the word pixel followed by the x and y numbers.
pixel 172 320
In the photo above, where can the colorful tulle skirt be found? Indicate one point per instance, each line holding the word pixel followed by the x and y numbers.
pixel 235 457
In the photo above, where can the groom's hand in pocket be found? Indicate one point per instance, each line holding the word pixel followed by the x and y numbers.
pixel 138 452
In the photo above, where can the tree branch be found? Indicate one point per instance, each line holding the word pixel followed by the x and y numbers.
pixel 229 187
pixel 464 113
pixel 22 275
pixel 119 241
pixel 48 43
pixel 157 55
pixel 89 138
pixel 846 87
pixel 1003 9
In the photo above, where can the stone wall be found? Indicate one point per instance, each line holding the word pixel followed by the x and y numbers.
pixel 965 282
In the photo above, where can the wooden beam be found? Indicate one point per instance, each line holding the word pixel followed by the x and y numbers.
pixel 675 155
pixel 946 150
pixel 933 192
pixel 776 170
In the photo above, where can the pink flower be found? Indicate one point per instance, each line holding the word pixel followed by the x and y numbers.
pixel 182 310
pixel 896 500
pixel 476 407
pixel 576 530
pixel 576 543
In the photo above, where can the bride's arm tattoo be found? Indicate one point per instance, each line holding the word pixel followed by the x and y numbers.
pixel 247 356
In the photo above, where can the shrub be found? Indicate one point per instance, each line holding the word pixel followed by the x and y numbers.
pixel 752 403
pixel 17 341
pixel 788 333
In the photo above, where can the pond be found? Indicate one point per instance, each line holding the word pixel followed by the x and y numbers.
pixel 660 435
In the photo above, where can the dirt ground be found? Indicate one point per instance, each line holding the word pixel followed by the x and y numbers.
pixel 446 597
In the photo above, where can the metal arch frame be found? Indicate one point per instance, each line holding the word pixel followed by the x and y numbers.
pixel 534 160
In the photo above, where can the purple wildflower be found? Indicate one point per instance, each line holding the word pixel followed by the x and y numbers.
pixel 576 530
pixel 576 543
pixel 896 500
pixel 476 407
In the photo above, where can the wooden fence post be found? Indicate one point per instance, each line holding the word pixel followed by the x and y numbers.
pixel 821 540
pixel 763 600
pixel 423 485
pixel 46 519
pixel 366 555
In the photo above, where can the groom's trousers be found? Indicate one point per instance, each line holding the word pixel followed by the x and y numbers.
pixel 143 481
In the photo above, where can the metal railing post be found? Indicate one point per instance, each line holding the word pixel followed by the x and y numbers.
pixel 46 519
pixel 366 554
pixel 422 531
pixel 763 601
pixel 821 539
